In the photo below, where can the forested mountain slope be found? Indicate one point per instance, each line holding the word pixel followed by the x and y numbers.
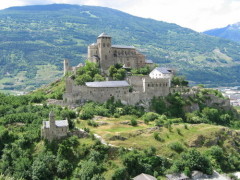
pixel 34 40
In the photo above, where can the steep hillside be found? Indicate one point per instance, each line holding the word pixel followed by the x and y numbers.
pixel 231 32
pixel 35 39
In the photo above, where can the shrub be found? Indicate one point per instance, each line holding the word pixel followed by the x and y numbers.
pixel 177 120
pixel 92 123
pixel 85 114
pixel 116 115
pixel 157 137
pixel 179 131
pixel 150 116
pixel 160 121
pixel 176 146
pixel 120 173
pixel 133 122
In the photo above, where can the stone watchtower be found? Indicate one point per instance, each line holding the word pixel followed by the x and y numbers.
pixel 104 43
pixel 66 66
pixel 52 125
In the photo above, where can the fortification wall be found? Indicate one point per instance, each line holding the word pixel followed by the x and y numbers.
pixel 144 88
pixel 80 94
pixel 156 87
pixel 136 82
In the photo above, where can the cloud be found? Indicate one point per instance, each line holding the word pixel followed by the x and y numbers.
pixel 194 14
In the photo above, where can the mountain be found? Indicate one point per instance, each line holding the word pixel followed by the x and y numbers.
pixel 34 40
pixel 230 32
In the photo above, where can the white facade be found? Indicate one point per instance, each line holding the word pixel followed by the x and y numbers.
pixel 158 73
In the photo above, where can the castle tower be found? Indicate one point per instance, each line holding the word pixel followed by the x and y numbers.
pixel 65 66
pixel 93 52
pixel 104 43
pixel 69 85
pixel 52 120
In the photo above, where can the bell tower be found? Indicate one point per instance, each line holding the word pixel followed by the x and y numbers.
pixel 104 43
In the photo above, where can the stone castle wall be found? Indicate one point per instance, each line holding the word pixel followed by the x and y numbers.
pixel 143 89
pixel 79 94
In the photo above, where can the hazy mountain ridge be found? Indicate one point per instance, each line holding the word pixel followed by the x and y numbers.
pixel 230 32
pixel 35 39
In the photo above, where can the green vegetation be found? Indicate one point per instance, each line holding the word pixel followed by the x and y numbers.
pixel 161 142
pixel 88 73
pixel 141 71
pixel 116 72
pixel 34 41
pixel 179 81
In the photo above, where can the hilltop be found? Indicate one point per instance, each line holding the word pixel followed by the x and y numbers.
pixel 118 137
pixel 35 39
pixel 230 32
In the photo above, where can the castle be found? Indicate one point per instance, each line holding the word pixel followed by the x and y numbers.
pixel 105 54
pixel 132 90
pixel 53 129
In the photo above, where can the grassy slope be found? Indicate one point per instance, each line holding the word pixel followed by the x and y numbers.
pixel 33 37
pixel 145 139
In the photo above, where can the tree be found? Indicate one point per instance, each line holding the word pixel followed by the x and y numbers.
pixel 88 169
pixel 64 168
pixel 98 77
pixel 43 167
pixel 179 81
pixel 116 72
pixel 83 78
pixel 194 160
pixel 22 168
pixel 120 174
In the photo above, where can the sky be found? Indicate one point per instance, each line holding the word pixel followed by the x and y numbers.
pixel 199 15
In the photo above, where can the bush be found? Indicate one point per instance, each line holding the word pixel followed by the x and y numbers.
pixel 157 137
pixel 92 123
pixel 116 115
pixel 86 114
pixel 176 146
pixel 179 131
pixel 160 121
pixel 150 116
pixel 120 173
pixel 133 122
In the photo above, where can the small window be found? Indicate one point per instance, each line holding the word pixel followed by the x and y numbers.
pixel 103 44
